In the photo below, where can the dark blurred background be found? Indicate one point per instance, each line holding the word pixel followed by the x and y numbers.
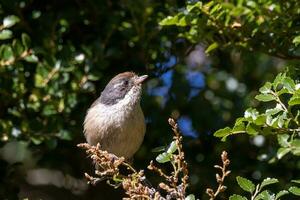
pixel 79 46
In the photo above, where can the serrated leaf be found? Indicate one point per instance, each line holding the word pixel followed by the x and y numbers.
pixel 190 197
pixel 278 80
pixel 245 184
pixel 282 91
pixel 282 152
pixel 295 147
pixel 251 113
pixel 265 195
pixel 260 120
pixel 163 157
pixel 265 97
pixel 9 21
pixel 251 129
pixel 268 181
pixel 237 197
pixel 211 47
pixel 222 132
pixel 172 148
pixel 5 34
pixel 281 120
pixel 273 111
pixel 283 140
pixel 266 88
pixel 295 190
pixel 294 101
pixel 289 84
pixel 281 193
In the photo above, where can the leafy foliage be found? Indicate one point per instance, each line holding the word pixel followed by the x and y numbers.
pixel 205 59
pixel 282 119
pixel 244 24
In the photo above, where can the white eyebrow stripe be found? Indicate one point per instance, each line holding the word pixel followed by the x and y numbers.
pixel 117 85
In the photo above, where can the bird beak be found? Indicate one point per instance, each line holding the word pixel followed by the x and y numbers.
pixel 140 79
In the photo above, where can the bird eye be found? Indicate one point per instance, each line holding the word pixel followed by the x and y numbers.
pixel 126 82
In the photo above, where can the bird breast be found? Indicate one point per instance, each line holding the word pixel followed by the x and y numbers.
pixel 119 128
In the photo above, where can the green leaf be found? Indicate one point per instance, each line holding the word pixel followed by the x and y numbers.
pixel 294 101
pixel 211 47
pixel 17 48
pixel 245 184
pixel 9 21
pixel 182 21
pixel 5 34
pixel 296 40
pixel 25 40
pixel 7 53
pixel 163 157
pixel 260 120
pixel 31 58
pixel 190 197
pixel 196 5
pixel 296 181
pixel 278 80
pixel 282 152
pixel 172 148
pixel 222 132
pixel 295 190
pixel 36 140
pixel 273 111
pixel 295 147
pixel 268 181
pixel 265 195
pixel 265 97
pixel 283 91
pixel 283 140
pixel 252 129
pixel 281 193
pixel 170 20
pixel 39 81
pixel 289 84
pixel 266 88
pixel 237 197
pixel 251 113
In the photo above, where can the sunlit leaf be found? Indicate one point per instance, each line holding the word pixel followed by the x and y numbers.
pixel 282 152
pixel 283 140
pixel 295 190
pixel 265 97
pixel 281 193
pixel 5 34
pixel 9 21
pixel 190 197
pixel 237 197
pixel 245 184
pixel 268 181
pixel 163 157
pixel 211 47
pixel 172 147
